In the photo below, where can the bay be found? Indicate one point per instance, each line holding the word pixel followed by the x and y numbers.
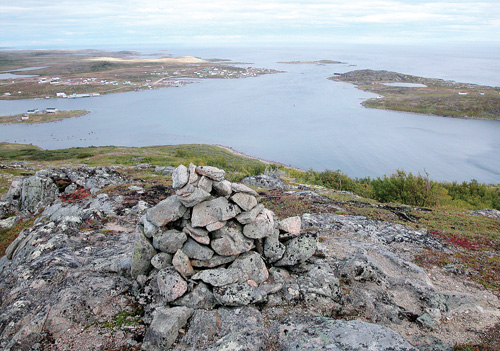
pixel 297 117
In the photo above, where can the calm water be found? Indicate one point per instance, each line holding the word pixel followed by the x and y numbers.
pixel 298 117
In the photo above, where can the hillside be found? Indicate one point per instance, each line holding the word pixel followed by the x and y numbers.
pixel 412 275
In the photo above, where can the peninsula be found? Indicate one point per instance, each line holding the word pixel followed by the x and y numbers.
pixel 45 116
pixel 27 74
pixel 407 93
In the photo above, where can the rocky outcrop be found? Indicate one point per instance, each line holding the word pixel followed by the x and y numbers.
pixel 105 270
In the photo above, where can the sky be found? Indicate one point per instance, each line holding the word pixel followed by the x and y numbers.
pixel 36 23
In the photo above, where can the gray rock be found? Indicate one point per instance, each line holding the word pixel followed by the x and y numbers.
pixel 180 177
pixel 212 227
pixel 240 188
pixel 169 241
pixel 212 211
pixel 215 261
pixel 35 190
pixel 290 225
pixel 245 201
pixel 211 172
pixel 426 321
pixel 265 181
pixel 164 329
pixel 262 227
pixel 249 216
pixel 248 340
pixel 222 188
pixel 238 294
pixel 141 258
pixel 205 184
pixel 193 176
pixel 149 228
pixel 190 195
pixel 181 263
pixel 230 241
pixel 197 251
pixel 194 233
pixel 161 260
pixel 219 276
pixel 200 297
pixel 170 284
pixel 166 211
pixel 165 170
pixel 273 248
pixel 322 333
pixel 252 266
pixel 298 250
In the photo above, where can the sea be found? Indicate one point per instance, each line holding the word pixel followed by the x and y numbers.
pixel 296 117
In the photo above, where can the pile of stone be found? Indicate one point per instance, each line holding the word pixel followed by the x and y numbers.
pixel 212 242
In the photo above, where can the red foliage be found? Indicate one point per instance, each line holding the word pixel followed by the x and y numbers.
pixel 76 195
pixel 466 244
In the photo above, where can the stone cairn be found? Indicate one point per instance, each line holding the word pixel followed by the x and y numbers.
pixel 212 243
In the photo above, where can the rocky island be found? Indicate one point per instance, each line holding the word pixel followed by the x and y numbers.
pixel 163 258
pixel 407 93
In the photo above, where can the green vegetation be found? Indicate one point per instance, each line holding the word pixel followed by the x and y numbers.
pixel 42 118
pixel 435 97
pixel 8 235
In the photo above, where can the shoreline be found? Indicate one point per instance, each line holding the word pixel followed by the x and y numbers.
pixel 42 122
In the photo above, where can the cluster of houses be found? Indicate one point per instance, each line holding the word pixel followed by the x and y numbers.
pixel 36 111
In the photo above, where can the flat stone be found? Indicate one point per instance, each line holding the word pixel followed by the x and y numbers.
pixel 161 260
pixel 219 276
pixel 206 184
pixel 322 333
pixel 262 227
pixel 212 211
pixel 215 261
pixel 240 188
pixel 165 326
pixel 215 226
pixel 238 294
pixel 170 284
pixel 202 239
pixel 180 177
pixel 193 176
pixel 229 240
pixel 143 253
pixel 181 263
pixel 222 188
pixel 298 249
pixel 190 195
pixel 245 201
pixel 249 216
pixel 169 241
pixel 166 211
pixel 252 266
pixel 200 298
pixel 290 225
pixel 197 251
pixel 211 172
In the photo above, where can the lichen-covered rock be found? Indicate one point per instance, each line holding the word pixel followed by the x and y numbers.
pixel 230 241
pixel 180 177
pixel 249 216
pixel 197 251
pixel 200 297
pixel 213 211
pixel 149 228
pixel 222 188
pixel 161 260
pixel 191 195
pixel 169 241
pixel 262 227
pixel 252 266
pixel 166 211
pixel 181 263
pixel 170 284
pixel 240 188
pixel 165 326
pixel 211 172
pixel 245 201
pixel 322 333
pixel 215 261
pixel 141 258
pixel 205 184
pixel 35 190
pixel 238 294
pixel 273 248
pixel 219 276
pixel 298 249
pixel 193 176
pixel 265 181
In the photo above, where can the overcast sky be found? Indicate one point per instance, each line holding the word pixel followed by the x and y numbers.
pixel 59 23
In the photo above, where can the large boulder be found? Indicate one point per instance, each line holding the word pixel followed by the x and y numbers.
pixel 166 211
pixel 141 258
pixel 217 210
pixel 230 241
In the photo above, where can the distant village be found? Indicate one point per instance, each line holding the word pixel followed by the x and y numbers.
pixel 48 110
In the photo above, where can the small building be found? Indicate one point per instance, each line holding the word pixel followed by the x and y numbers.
pixel 33 111
pixel 63 95
pixel 25 118
pixel 462 93
pixel 51 110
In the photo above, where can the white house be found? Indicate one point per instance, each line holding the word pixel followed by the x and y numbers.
pixel 51 110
